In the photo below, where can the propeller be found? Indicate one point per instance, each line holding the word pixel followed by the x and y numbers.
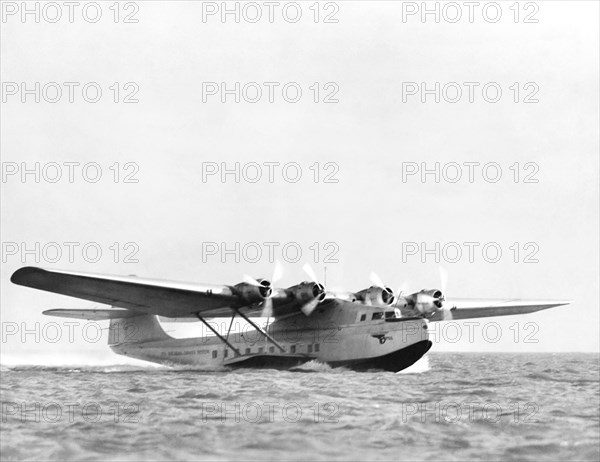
pixel 376 280
pixel 250 280
pixel 424 298
pixel 267 305
pixel 387 293
pixel 443 279
pixel 404 288
pixel 309 307
pixel 310 272
pixel 446 313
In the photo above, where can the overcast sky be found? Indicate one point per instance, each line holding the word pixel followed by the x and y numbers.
pixel 369 57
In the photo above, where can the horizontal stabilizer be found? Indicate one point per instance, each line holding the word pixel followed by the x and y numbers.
pixel 91 314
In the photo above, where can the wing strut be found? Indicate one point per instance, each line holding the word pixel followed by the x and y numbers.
pixel 261 330
pixel 223 339
pixel 230 324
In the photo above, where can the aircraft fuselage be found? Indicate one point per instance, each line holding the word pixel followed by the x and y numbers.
pixel 358 337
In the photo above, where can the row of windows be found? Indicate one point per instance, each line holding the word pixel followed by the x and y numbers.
pixel 378 315
pixel 309 349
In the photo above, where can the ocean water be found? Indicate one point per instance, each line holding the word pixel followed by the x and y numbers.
pixel 455 406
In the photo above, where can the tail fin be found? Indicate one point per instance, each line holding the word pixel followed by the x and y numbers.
pixel 136 329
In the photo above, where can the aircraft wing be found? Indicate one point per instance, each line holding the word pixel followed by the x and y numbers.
pixel 165 298
pixel 481 308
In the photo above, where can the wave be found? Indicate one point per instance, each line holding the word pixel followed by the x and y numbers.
pixel 116 368
pixel 421 366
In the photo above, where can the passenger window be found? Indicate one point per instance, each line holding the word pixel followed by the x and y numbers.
pixel 248 351
pixel 293 349
pixel 226 353
pixel 271 349
pixel 261 349
pixel 363 317
pixel 310 348
pixel 317 348
pixel 377 315
pixel 214 353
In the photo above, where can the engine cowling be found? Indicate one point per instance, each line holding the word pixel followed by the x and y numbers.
pixel 376 296
pixel 251 293
pixel 307 291
pixel 426 302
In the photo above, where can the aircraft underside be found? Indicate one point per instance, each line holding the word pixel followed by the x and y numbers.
pixel 393 362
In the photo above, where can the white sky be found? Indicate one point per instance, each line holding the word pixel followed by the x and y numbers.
pixel 369 134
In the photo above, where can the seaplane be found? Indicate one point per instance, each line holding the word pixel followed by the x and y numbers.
pixel 372 329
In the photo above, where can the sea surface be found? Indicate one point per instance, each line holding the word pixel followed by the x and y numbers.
pixel 448 406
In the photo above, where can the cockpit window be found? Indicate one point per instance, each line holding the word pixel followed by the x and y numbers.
pixel 390 314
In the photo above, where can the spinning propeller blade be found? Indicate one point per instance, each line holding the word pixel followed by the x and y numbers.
pixel 446 313
pixel 310 307
pixel 250 280
pixel 267 310
pixel 376 280
pixel 404 288
pixel 310 272
pixel 443 279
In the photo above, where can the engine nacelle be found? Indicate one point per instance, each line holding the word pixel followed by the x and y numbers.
pixel 307 292
pixel 426 302
pixel 376 296
pixel 251 293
